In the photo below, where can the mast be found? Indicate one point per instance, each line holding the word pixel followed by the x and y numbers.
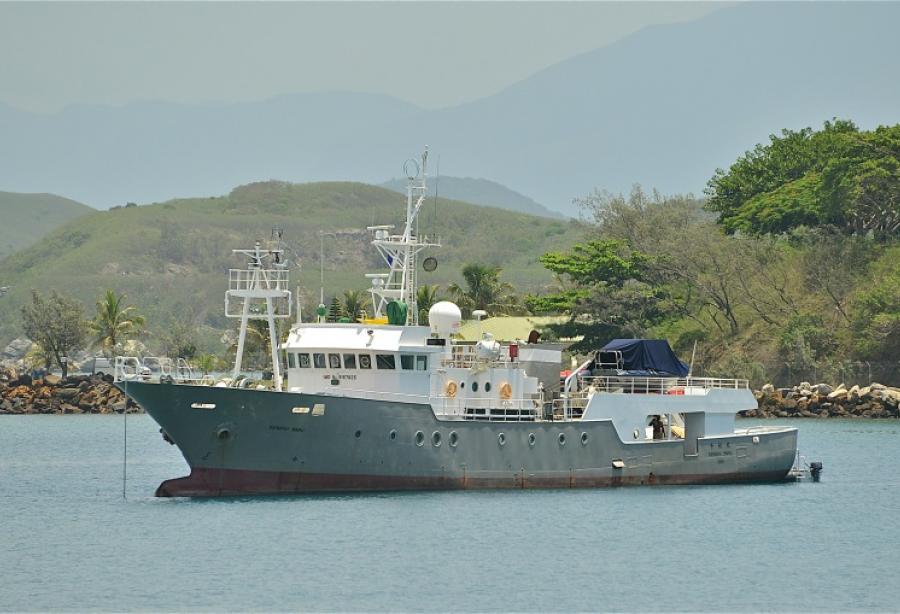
pixel 264 295
pixel 400 251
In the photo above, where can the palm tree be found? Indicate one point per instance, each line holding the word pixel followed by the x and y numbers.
pixel 114 323
pixel 484 290
pixel 426 297
pixel 354 303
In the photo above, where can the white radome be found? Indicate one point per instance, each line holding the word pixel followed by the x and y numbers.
pixel 444 318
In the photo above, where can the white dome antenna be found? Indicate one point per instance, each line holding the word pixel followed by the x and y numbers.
pixel 444 318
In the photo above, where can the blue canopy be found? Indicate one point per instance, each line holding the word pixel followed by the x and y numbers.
pixel 647 357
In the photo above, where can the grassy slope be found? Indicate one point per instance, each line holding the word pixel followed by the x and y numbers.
pixel 171 258
pixel 481 192
pixel 29 217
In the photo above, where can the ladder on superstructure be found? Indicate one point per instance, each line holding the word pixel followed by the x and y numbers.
pixel 400 251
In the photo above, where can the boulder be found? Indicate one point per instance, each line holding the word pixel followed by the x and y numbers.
pixel 823 389
pixel 66 393
pixel 839 393
pixel 891 396
pixel 51 380
pixel 16 349
pixel 768 389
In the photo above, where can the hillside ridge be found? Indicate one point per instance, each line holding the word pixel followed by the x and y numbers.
pixel 171 258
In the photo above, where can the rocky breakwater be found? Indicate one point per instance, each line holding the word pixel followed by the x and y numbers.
pixel 78 394
pixel 822 401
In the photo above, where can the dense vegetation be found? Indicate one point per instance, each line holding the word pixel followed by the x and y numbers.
pixel 790 270
pixel 837 176
pixel 171 259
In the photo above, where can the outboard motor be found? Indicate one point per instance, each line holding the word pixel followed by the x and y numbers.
pixel 815 470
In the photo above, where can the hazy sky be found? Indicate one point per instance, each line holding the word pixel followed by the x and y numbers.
pixel 432 54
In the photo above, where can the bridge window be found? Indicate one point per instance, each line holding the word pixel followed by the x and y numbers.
pixel 406 361
pixel 292 362
pixel 365 361
pixel 304 360
pixel 319 360
pixel 334 361
pixel 421 363
pixel 349 361
pixel 385 361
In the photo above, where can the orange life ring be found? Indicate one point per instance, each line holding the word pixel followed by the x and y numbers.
pixel 451 389
pixel 505 391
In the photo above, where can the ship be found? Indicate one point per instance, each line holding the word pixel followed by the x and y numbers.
pixel 386 403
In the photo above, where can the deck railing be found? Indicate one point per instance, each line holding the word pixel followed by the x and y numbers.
pixel 574 399
pixel 659 385
pixel 258 279
pixel 159 368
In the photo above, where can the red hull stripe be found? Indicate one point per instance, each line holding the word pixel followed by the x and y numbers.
pixel 207 482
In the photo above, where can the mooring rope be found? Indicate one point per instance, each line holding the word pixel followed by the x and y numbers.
pixel 125 444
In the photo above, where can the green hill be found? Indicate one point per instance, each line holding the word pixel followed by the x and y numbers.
pixel 29 217
pixel 171 259
pixel 480 192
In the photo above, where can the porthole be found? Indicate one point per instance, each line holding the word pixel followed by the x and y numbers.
pixel 562 439
pixel 357 434
pixel 501 439
pixel 420 438
pixel 531 439
pixel 584 439
pixel 453 439
pixel 487 386
pixel 462 385
pixel 436 439
pixel 636 433
pixel 393 435
pixel 474 386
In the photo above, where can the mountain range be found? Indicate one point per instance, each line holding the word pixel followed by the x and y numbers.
pixel 664 107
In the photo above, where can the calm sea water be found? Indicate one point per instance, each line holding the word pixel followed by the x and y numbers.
pixel 71 542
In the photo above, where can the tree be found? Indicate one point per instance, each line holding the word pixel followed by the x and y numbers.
pixel 426 297
pixel 206 362
pixel 483 289
pixel 114 323
pixel 602 289
pixel 335 310
pixel 180 340
pixel 355 301
pixel 836 176
pixel 876 315
pixel 57 324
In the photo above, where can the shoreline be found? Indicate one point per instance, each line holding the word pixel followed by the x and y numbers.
pixel 96 394
pixel 77 394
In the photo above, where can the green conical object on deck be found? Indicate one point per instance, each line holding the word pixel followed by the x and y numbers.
pixel 396 313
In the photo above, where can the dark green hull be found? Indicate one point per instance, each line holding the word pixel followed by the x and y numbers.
pixel 240 441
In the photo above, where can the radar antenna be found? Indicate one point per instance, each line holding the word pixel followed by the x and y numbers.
pixel 400 251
